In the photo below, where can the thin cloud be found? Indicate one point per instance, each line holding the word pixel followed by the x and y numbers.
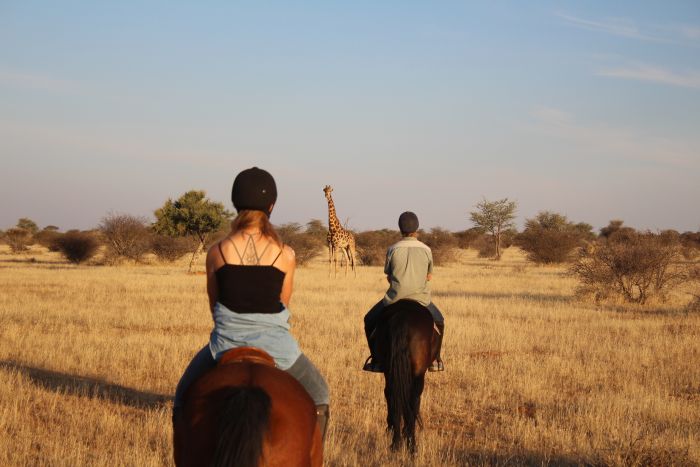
pixel 690 32
pixel 20 79
pixel 653 74
pixel 625 27
pixel 616 142
pixel 615 26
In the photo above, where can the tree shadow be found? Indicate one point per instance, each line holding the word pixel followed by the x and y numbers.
pixel 33 260
pixel 537 297
pixel 518 458
pixel 94 387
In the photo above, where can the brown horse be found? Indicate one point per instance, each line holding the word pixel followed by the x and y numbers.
pixel 405 346
pixel 246 413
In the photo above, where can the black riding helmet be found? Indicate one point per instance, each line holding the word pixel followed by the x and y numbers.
pixel 254 189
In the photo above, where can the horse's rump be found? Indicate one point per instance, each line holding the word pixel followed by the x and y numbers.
pixel 244 401
pixel 409 319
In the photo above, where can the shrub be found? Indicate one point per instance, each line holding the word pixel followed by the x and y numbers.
pixel 77 247
pixel 18 239
pixel 126 236
pixel 442 243
pixel 47 238
pixel 615 227
pixel 318 230
pixel 551 238
pixel 465 238
pixel 372 245
pixel 691 244
pixel 485 246
pixel 635 266
pixel 305 245
pixel 170 248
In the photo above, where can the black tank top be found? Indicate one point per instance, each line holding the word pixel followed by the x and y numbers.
pixel 250 288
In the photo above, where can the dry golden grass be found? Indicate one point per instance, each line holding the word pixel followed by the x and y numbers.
pixel 90 355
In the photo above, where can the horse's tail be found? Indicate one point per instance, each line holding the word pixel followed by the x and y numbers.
pixel 399 375
pixel 242 426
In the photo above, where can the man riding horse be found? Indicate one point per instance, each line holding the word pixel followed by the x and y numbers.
pixel 408 268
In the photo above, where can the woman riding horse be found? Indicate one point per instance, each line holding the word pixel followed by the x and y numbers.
pixel 250 276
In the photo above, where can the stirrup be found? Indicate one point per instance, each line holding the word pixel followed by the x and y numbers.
pixel 371 366
pixel 437 365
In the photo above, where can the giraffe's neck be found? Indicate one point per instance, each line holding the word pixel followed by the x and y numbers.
pixel 333 223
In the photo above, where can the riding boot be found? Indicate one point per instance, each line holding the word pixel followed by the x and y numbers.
pixel 323 413
pixel 438 365
pixel 371 363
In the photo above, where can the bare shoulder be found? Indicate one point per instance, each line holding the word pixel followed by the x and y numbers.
pixel 214 258
pixel 288 253
pixel 213 252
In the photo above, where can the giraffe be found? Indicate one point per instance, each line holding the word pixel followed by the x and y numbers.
pixel 338 238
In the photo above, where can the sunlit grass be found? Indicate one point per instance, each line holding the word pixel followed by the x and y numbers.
pixel 90 355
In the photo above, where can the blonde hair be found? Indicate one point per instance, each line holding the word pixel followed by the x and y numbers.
pixel 247 219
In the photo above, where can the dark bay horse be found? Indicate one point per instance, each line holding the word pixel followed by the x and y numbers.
pixel 246 413
pixel 405 347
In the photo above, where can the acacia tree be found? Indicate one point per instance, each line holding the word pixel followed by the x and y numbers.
pixel 192 214
pixel 494 217
pixel 27 224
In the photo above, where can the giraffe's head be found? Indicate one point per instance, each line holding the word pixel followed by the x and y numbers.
pixel 327 190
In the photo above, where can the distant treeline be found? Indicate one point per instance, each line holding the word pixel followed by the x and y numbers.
pixel 617 261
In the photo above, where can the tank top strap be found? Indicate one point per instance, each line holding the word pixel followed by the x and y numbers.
pixel 262 253
pixel 278 255
pixel 236 250
pixel 221 252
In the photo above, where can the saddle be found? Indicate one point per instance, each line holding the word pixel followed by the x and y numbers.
pixel 390 310
pixel 247 354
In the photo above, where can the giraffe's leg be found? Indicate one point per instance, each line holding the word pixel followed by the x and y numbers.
pixel 335 261
pixel 351 254
pixel 347 259
pixel 330 258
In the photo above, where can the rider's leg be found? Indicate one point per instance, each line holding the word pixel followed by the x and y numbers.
pixel 438 365
pixel 201 362
pixel 371 320
pixel 308 375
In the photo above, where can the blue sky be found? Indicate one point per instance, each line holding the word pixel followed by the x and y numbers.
pixel 590 109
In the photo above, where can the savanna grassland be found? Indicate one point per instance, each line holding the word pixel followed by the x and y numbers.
pixel 90 355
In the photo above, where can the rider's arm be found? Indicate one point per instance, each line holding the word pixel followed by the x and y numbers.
pixel 430 265
pixel 289 260
pixel 212 286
